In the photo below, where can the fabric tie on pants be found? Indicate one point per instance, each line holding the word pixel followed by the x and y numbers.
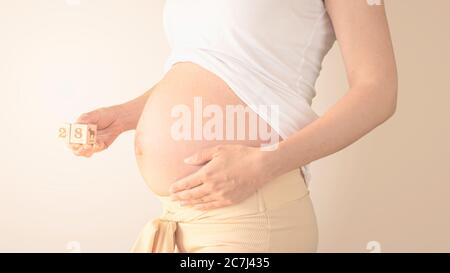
pixel 279 217
pixel 158 236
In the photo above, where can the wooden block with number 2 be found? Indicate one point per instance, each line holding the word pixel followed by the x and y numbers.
pixel 64 132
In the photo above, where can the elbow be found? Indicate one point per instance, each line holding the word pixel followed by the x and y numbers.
pixel 385 89
pixel 392 109
pixel 388 86
pixel 383 93
pixel 389 104
pixel 379 88
pixel 391 94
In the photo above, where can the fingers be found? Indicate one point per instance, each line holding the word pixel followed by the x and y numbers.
pixel 84 150
pixel 190 194
pixel 73 146
pixel 202 157
pixel 98 147
pixel 185 183
pixel 209 205
pixel 204 199
pixel 87 150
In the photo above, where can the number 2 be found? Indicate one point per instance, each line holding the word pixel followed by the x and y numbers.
pixel 62 132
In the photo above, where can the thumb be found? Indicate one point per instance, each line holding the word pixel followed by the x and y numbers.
pixel 89 117
pixel 201 157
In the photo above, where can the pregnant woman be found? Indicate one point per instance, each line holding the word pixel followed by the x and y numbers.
pixel 225 138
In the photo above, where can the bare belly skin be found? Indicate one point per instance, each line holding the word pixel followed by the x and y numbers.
pixel 158 153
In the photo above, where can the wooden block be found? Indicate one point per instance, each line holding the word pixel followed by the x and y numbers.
pixel 83 133
pixel 92 134
pixel 64 132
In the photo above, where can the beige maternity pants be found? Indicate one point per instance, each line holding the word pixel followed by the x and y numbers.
pixel 279 217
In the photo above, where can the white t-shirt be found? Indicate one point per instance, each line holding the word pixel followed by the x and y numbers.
pixel 269 52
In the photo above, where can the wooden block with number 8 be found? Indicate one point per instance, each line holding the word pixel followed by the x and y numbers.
pixel 83 133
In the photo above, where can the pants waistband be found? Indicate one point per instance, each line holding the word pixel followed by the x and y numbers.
pixel 285 188
pixel 159 234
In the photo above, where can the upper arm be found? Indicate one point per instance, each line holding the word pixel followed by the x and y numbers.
pixel 363 35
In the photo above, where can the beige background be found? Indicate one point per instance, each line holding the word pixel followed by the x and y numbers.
pixel 60 58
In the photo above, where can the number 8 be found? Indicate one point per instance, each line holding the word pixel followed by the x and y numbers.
pixel 78 133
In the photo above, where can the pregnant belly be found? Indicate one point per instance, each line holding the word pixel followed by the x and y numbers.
pixel 191 109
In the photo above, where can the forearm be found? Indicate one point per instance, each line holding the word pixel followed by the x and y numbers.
pixel 131 111
pixel 356 114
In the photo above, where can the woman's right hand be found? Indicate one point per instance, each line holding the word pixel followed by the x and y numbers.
pixel 109 128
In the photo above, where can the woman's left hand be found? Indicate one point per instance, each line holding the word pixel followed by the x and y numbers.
pixel 230 174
